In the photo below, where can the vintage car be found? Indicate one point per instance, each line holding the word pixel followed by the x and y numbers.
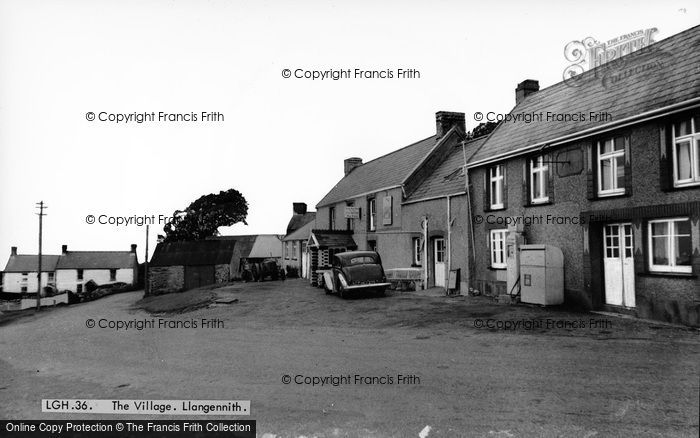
pixel 355 272
pixel 260 270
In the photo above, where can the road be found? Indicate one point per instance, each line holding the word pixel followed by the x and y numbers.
pixel 620 378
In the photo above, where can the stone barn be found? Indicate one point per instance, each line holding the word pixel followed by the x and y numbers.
pixel 179 266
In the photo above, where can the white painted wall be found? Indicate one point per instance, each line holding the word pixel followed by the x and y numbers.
pixel 13 281
pixel 67 279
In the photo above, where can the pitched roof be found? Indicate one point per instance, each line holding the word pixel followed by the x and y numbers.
pixel 389 170
pixel 302 233
pixel 659 75
pixel 28 263
pixel 201 252
pixel 299 220
pixel 334 239
pixel 448 178
pixel 97 260
pixel 266 245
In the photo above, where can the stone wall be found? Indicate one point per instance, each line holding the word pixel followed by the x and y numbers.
pixel 165 279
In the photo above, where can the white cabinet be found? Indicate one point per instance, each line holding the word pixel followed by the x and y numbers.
pixel 541 275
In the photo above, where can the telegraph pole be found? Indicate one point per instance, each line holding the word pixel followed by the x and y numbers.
pixel 145 267
pixel 41 214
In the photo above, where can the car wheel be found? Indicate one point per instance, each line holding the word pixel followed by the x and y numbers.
pixel 380 292
pixel 327 289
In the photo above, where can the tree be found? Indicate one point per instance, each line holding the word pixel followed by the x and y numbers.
pixel 482 129
pixel 204 216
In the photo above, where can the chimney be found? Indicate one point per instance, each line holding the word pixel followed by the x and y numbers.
pixel 299 207
pixel 13 251
pixel 64 249
pixel 445 120
pixel 351 163
pixel 133 248
pixel 526 88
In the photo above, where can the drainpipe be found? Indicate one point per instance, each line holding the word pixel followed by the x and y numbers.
pixel 470 219
pixel 425 252
pixel 449 245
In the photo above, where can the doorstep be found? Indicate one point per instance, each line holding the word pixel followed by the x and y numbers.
pixel 648 321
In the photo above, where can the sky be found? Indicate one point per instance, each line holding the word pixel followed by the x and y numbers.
pixel 281 140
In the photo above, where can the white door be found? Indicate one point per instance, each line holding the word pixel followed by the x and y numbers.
pixel 304 264
pixel 439 257
pixel 618 263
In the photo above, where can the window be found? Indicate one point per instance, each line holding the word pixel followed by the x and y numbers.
pixel 331 218
pixel 496 192
pixel 23 289
pixel 362 260
pixel 670 246
pixel 79 289
pixel 388 210
pixel 286 250
pixel 498 249
pixel 539 180
pixel 686 152
pixel 349 209
pixel 417 251
pixel 80 274
pixel 611 166
pixel 52 276
pixel 440 250
pixel 112 275
pixel 372 206
pixel 372 245
pixel 294 250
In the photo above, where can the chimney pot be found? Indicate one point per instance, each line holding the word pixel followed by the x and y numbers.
pixel 133 248
pixel 299 207
pixel 445 120
pixel 64 249
pixel 13 250
pixel 526 88
pixel 351 163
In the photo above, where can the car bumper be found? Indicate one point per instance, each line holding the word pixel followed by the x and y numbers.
pixel 368 286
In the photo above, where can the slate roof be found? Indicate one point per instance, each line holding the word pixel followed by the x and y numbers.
pixel 302 233
pixel 334 239
pixel 448 178
pixel 661 74
pixel 266 245
pixel 197 253
pixel 299 220
pixel 386 171
pixel 29 263
pixel 96 260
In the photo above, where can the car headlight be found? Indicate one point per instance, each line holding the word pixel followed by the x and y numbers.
pixel 343 282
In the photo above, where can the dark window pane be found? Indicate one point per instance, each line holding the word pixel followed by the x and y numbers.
pixel 620 172
pixel 683 227
pixel 684 249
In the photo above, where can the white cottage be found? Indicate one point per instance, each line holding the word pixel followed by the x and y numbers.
pixel 21 272
pixel 75 268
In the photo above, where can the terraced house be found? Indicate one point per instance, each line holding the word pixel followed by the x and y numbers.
pixel 404 205
pixel 618 190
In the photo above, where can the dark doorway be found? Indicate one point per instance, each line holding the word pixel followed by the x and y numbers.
pixel 197 276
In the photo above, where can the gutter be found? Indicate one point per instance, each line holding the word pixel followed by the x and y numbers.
pixel 639 118
pixel 432 198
